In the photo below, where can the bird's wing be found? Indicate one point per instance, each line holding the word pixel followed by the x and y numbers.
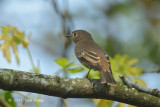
pixel 88 55
pixel 109 64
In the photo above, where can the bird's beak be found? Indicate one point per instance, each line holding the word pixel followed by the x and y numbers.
pixel 68 36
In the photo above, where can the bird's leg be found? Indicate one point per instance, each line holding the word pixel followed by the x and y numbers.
pixel 88 73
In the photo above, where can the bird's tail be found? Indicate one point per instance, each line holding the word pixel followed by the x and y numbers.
pixel 106 77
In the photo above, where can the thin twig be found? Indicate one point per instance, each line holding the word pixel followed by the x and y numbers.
pixel 30 58
pixel 65 30
pixel 64 102
pixel 130 84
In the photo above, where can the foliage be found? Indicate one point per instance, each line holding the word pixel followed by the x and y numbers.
pixel 68 65
pixel 124 105
pixel 123 65
pixel 102 103
pixel 7 96
pixel 120 64
pixel 11 37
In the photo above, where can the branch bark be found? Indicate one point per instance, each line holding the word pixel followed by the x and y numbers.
pixel 73 88
pixel 140 88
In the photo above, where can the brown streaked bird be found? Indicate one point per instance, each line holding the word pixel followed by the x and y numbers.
pixel 92 56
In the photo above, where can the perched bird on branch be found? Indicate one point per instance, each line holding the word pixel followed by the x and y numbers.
pixel 92 56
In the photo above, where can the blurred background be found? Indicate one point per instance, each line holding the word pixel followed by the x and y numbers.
pixel 121 27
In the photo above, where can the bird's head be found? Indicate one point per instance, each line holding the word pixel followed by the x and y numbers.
pixel 80 35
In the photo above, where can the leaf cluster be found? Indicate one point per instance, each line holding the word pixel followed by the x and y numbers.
pixel 11 37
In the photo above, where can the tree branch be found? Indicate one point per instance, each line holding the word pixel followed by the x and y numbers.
pixel 73 88
pixel 131 84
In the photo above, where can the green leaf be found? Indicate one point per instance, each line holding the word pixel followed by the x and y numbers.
pixel 121 105
pixel 9 98
pixel 141 82
pixel 132 61
pixel 74 70
pixel 103 103
pixel 61 61
pixel 136 71
pixel 70 64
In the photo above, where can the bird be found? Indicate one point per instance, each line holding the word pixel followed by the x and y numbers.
pixel 92 56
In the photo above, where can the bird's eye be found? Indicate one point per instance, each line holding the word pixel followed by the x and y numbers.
pixel 74 34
